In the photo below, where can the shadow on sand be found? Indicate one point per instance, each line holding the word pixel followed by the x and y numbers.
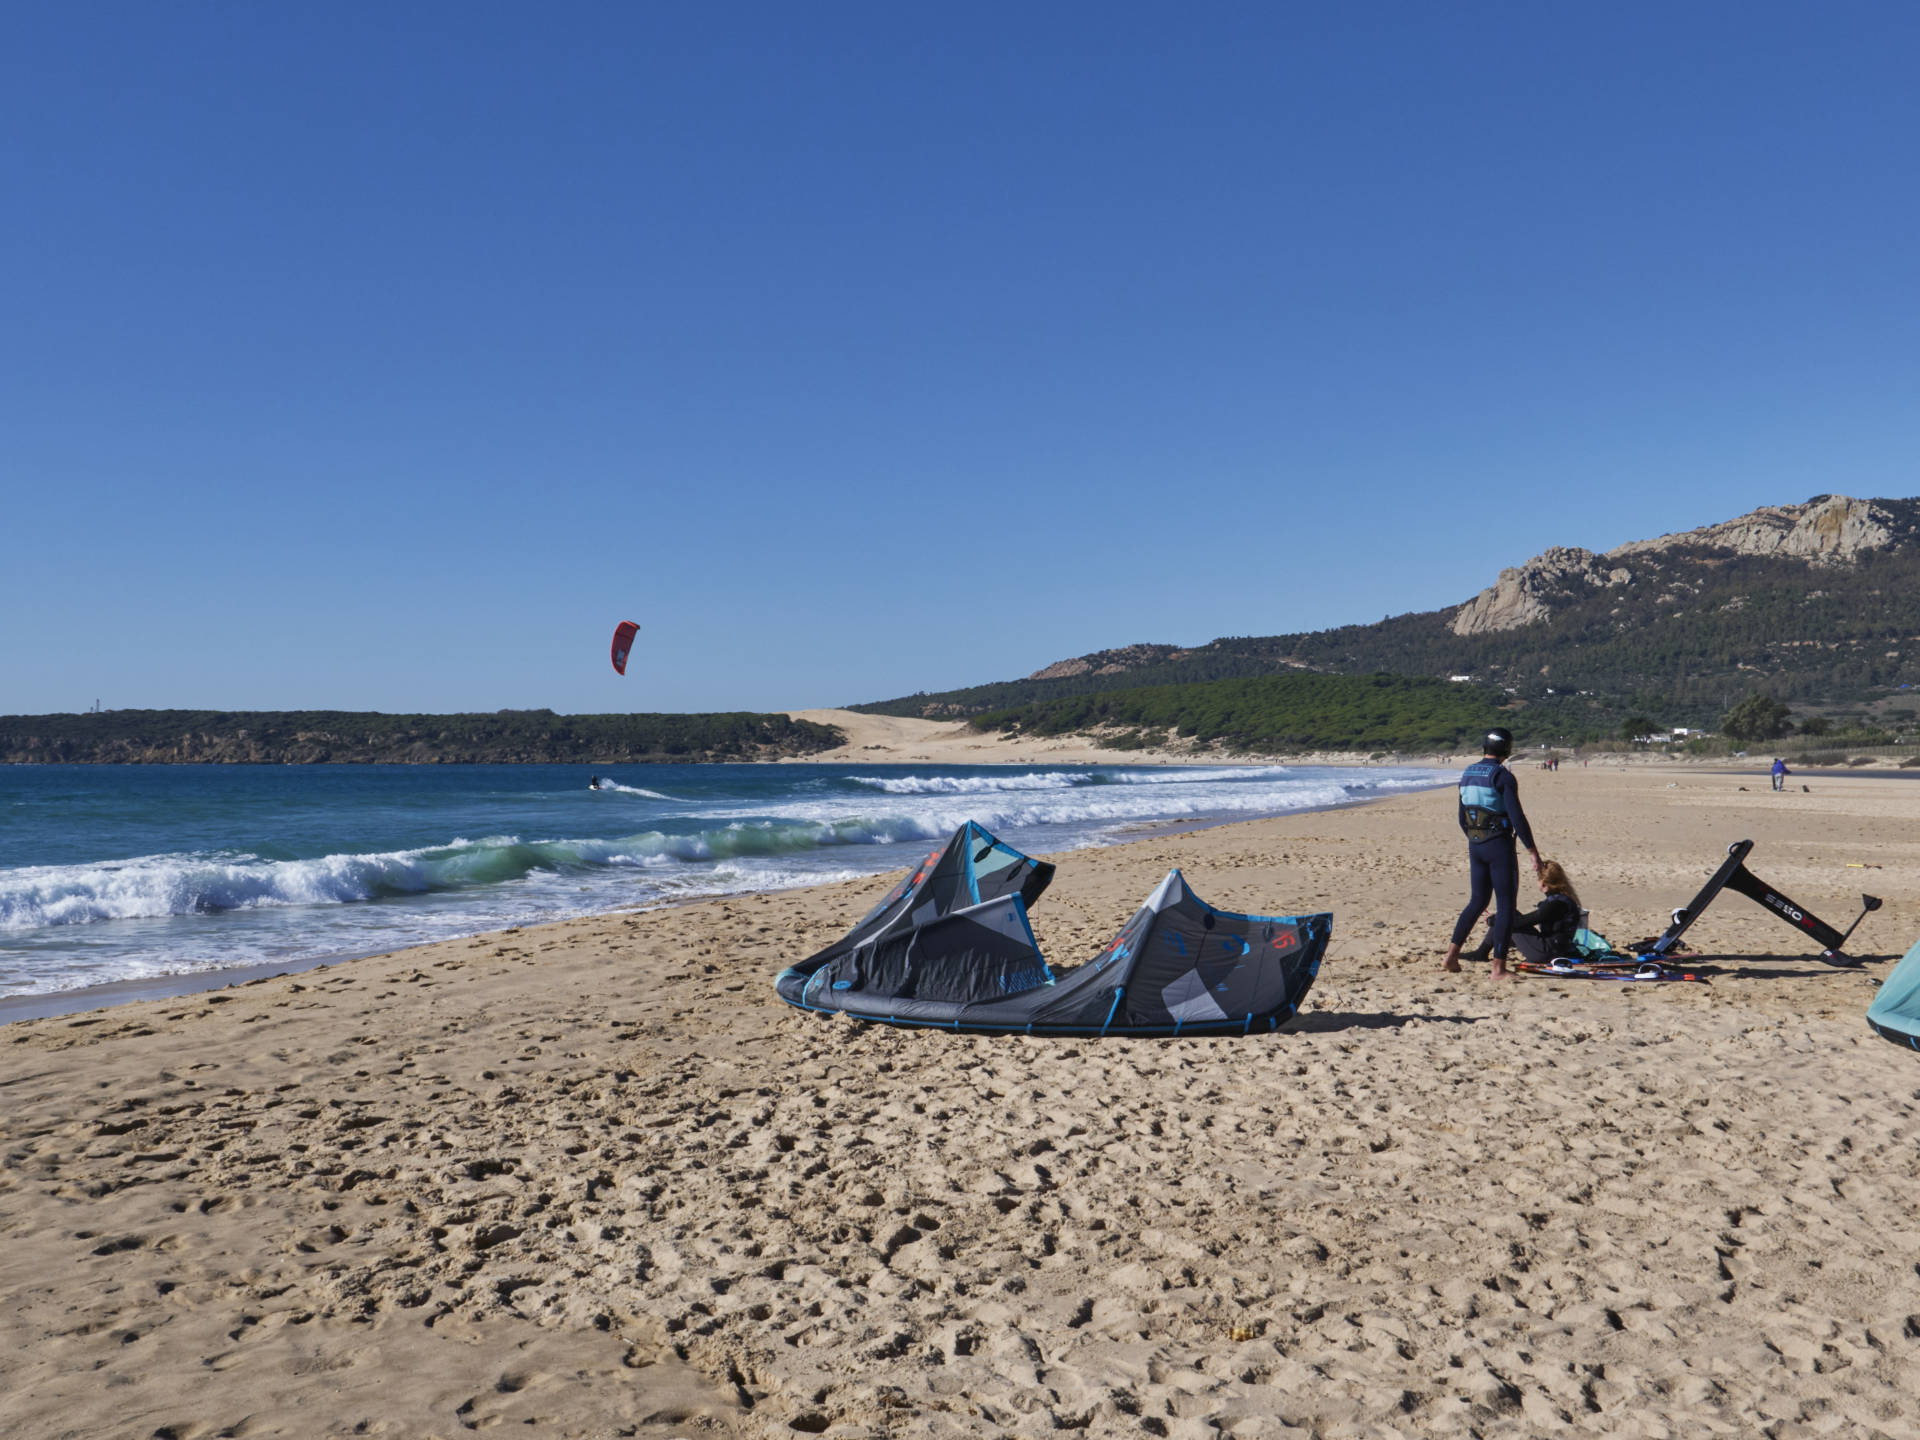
pixel 1321 1022
pixel 1776 967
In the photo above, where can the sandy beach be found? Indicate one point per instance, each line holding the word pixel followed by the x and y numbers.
pixel 593 1179
pixel 903 740
pixel 900 740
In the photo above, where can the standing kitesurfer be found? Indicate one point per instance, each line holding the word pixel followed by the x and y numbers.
pixel 1491 818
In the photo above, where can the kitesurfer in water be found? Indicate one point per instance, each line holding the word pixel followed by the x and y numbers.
pixel 1491 818
pixel 594 783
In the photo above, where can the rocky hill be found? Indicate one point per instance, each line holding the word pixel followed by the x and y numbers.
pixel 1818 602
pixel 1827 531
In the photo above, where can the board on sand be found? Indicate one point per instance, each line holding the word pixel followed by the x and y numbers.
pixel 1733 875
pixel 1634 970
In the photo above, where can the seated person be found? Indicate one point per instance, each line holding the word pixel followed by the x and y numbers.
pixel 1546 932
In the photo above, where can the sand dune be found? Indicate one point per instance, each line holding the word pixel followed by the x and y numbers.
pixel 593 1179
pixel 892 739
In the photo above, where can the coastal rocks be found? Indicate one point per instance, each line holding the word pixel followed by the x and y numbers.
pixel 1525 594
pixel 1062 670
pixel 1827 530
pixel 1111 662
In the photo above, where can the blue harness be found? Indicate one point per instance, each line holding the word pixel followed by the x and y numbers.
pixel 1483 809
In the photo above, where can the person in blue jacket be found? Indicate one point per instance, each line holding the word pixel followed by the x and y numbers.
pixel 1491 818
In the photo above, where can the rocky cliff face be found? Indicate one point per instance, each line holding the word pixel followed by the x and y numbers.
pixel 1525 594
pixel 1827 530
pixel 1110 662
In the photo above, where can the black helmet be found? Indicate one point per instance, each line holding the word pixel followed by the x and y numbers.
pixel 1499 742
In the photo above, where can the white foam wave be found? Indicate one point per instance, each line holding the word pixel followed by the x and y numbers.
pixel 925 815
pixel 1201 775
pixel 171 905
pixel 158 886
pixel 1068 779
pixel 973 784
pixel 155 885
pixel 633 790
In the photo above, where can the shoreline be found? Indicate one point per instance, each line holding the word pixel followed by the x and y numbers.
pixel 51 1004
pixel 183 984
pixel 83 999
pixel 178 985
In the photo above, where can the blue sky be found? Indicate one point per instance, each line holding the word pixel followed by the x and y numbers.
pixel 384 356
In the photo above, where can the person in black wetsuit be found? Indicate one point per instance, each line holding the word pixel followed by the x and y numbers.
pixel 1491 819
pixel 1546 932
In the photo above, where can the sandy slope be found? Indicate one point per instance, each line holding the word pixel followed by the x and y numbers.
pixel 593 1179
pixel 890 740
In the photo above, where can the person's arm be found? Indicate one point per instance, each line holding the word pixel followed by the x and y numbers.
pixel 1510 790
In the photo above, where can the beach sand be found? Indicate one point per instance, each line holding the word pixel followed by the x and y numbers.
pixel 593 1179
pixel 900 740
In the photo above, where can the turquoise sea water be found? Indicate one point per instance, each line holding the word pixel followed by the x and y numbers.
pixel 112 873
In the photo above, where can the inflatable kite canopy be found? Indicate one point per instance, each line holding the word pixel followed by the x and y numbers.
pixel 623 634
pixel 950 946
pixel 1895 1011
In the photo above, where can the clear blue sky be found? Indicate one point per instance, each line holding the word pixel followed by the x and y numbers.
pixel 383 356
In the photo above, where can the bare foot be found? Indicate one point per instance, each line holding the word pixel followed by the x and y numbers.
pixel 1499 972
pixel 1450 965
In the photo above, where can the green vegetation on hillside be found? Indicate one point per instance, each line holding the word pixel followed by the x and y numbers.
pixel 1693 634
pixel 306 737
pixel 1756 718
pixel 1274 713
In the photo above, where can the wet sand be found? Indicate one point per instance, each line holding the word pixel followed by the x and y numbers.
pixel 593 1179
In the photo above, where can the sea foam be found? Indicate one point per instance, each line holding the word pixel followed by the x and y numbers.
pixel 755 828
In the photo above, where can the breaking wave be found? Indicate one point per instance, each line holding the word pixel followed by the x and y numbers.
pixel 155 886
pixel 974 784
pixel 1091 806
pixel 152 886
pixel 210 904
pixel 1066 779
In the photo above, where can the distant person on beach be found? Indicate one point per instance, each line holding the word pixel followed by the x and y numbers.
pixel 1780 773
pixel 1546 932
pixel 1491 819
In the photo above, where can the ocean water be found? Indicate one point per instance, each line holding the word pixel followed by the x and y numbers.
pixel 115 873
